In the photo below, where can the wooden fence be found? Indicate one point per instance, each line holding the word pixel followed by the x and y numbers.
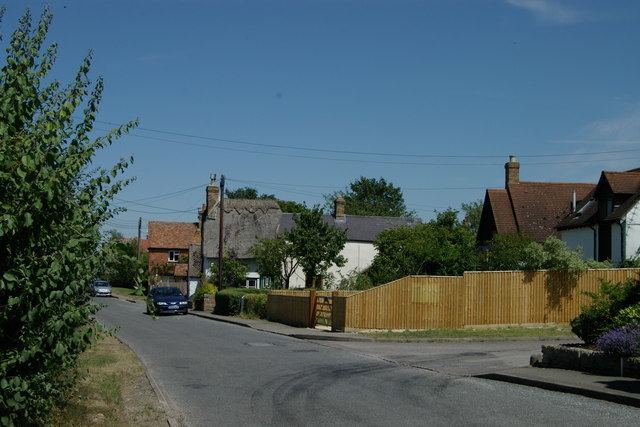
pixel 298 308
pixel 476 298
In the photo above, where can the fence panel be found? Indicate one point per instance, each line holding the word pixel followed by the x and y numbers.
pixel 476 298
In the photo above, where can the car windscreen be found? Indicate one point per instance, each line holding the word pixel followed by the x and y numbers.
pixel 167 292
pixel 100 283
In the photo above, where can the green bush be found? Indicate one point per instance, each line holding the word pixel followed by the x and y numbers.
pixel 229 301
pixel 627 316
pixel 205 288
pixel 606 304
pixel 53 203
pixel 255 305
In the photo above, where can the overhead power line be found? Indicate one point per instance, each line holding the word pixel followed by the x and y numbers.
pixel 365 161
pixel 367 153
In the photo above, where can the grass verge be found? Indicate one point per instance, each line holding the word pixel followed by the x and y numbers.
pixel 503 333
pixel 127 293
pixel 112 390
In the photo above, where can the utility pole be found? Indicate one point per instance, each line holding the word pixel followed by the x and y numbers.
pixel 139 232
pixel 220 233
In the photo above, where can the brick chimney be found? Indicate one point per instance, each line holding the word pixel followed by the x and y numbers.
pixel 338 209
pixel 213 197
pixel 511 171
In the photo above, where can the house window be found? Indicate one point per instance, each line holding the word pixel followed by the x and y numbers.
pixel 174 256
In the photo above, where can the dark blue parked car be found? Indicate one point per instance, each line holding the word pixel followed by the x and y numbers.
pixel 166 299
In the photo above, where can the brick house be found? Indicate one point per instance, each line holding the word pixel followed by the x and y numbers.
pixel 169 246
pixel 533 209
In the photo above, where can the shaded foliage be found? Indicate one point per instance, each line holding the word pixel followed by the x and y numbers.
pixel 600 316
pixel 518 252
pixel 52 206
pixel 316 245
pixel 472 213
pixel 122 267
pixel 233 272
pixel 440 247
pixel 276 259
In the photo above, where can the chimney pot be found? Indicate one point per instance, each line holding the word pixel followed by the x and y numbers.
pixel 511 171
pixel 338 211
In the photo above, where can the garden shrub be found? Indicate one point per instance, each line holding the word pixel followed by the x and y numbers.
pixel 599 317
pixel 205 288
pixel 627 316
pixel 623 342
pixel 256 305
pixel 229 301
pixel 53 202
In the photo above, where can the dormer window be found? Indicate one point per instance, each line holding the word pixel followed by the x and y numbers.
pixel 609 206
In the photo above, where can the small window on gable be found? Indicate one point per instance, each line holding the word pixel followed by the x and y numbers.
pixel 174 256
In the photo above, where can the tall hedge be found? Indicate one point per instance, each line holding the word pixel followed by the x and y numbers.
pixel 53 202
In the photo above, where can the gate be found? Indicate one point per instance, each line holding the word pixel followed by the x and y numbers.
pixel 323 311
pixel 320 309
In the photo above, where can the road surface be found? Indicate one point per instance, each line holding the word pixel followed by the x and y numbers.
pixel 222 374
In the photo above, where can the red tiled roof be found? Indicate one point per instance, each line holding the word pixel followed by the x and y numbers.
pixel 502 211
pixel 538 207
pixel 623 182
pixel 173 235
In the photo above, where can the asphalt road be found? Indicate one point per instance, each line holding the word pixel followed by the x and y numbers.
pixel 222 374
pixel 454 357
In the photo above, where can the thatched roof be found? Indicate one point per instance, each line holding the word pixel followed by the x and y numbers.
pixel 245 222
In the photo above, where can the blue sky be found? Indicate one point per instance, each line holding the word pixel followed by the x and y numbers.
pixel 481 79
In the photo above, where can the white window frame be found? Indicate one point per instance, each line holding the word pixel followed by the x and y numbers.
pixel 174 256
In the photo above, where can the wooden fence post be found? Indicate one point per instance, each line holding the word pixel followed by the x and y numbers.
pixel 338 312
pixel 312 308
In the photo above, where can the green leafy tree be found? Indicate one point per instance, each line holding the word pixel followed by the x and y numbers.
pixel 234 272
pixel 371 196
pixel 472 213
pixel 507 252
pixel 517 252
pixel 52 204
pixel 291 206
pixel 316 245
pixel 122 266
pixel 440 247
pixel 276 259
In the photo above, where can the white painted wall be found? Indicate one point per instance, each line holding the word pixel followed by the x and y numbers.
pixel 580 238
pixel 359 256
pixel 632 232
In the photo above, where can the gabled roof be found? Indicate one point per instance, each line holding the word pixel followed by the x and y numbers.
pixel 172 235
pixel 359 228
pixel 245 222
pixel 500 205
pixel 619 185
pixel 540 206
pixel 533 209
pixel 621 182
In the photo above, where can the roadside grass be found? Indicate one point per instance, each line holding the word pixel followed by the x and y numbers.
pixel 126 292
pixel 112 390
pixel 500 333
